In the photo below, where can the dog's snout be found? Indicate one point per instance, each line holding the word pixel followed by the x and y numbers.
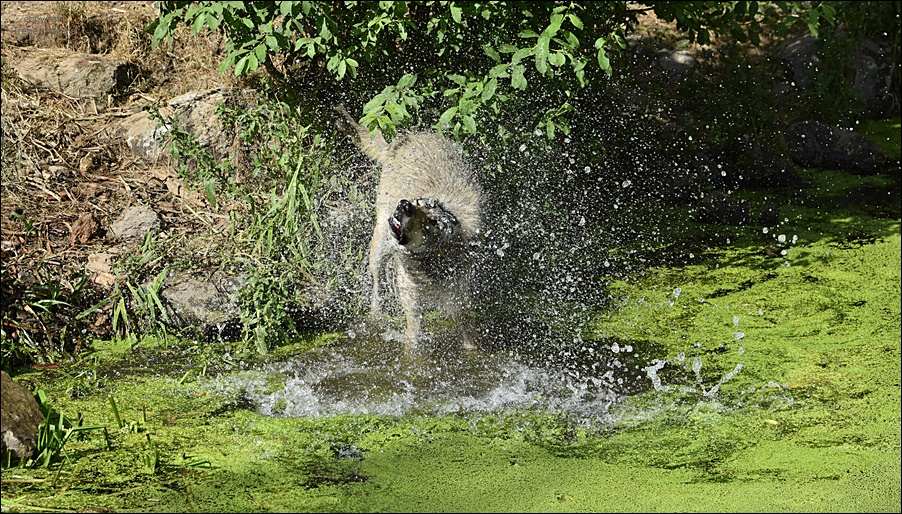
pixel 406 207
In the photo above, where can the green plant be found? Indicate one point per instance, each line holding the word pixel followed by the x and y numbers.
pixel 40 323
pixel 55 432
pixel 274 201
pixel 468 59
pixel 29 223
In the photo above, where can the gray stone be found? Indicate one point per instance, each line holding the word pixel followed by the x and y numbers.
pixel 675 62
pixel 145 137
pixel 718 207
pixel 815 144
pixel 798 58
pixel 136 222
pixel 874 68
pixel 20 418
pixel 195 113
pixel 78 75
pixel 209 303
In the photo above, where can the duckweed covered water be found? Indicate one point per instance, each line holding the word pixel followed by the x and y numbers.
pixel 762 374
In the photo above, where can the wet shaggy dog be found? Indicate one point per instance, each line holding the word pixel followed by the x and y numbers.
pixel 428 225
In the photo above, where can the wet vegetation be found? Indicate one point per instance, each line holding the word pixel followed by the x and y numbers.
pixel 636 351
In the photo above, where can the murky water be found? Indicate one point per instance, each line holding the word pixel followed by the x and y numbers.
pixel 369 372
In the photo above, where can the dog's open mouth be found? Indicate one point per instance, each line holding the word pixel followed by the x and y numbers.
pixel 401 219
pixel 396 230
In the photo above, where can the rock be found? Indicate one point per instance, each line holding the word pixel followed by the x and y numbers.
pixel 210 303
pixel 874 67
pixel 77 75
pixel 196 114
pixel 812 143
pixel 798 57
pixel 763 166
pixel 770 215
pixel 135 222
pixel 144 136
pixel 675 62
pixel 99 263
pixel 20 417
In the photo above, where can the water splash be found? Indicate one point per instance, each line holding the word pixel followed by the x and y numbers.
pixel 368 373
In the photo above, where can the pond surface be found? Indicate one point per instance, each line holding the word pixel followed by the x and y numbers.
pixel 759 375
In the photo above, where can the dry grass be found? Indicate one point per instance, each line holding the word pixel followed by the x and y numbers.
pixel 62 184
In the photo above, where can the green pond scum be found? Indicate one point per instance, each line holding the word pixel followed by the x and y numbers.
pixel 778 389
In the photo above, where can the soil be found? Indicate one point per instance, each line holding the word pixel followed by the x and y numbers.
pixel 63 184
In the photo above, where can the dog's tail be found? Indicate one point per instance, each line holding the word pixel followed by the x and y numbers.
pixel 373 145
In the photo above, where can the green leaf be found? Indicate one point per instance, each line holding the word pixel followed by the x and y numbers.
pixel 456 13
pixel 199 22
pixel 375 102
pixel 575 21
pixel 829 12
pixel 397 112
pixel 210 190
pixel 489 90
pixel 522 53
pixel 491 53
pixel 518 81
pixel 506 48
pixel 469 124
pixel 542 53
pixel 555 26
pixel 460 80
pixel 446 117
pixel 252 63
pixel 162 28
pixel 813 16
pixel 499 71
pixel 407 81
pixel 241 65
pixel 260 53
pixel 604 62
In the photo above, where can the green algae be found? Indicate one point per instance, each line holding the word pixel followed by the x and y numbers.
pixel 779 390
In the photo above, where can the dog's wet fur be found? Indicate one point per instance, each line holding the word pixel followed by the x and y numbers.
pixel 428 226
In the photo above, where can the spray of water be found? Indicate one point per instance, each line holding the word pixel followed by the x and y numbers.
pixel 563 218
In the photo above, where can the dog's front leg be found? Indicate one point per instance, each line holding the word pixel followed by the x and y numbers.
pixel 378 254
pixel 414 324
pixel 409 295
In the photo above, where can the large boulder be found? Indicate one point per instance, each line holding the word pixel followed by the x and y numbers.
pixel 209 303
pixel 76 75
pixel 816 144
pixel 797 58
pixel 20 418
pixel 195 113
pixel 874 71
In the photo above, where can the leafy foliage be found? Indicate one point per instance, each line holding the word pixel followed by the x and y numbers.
pixel 463 60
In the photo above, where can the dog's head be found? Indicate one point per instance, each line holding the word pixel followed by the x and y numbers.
pixel 423 225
